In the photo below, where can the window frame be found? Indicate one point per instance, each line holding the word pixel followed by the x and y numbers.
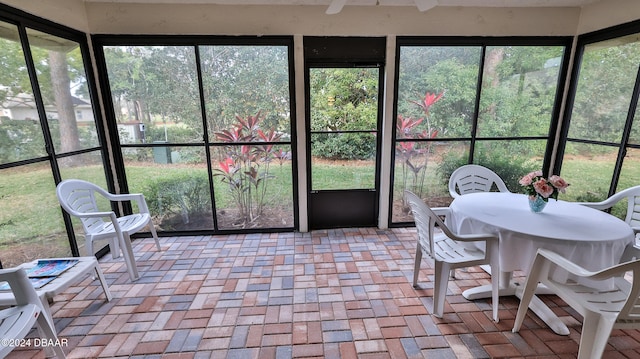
pixel 474 138
pixel 582 42
pixel 208 142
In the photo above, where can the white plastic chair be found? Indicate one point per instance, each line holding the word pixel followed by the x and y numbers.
pixel 602 310
pixel 17 321
pixel 78 198
pixel 632 194
pixel 448 254
pixel 474 178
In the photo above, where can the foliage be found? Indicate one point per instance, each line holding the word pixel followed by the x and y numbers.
pixel 158 86
pixel 184 193
pixel 607 73
pixel 508 165
pixel 595 195
pixel 436 68
pixel 414 156
pixel 13 137
pixel 246 79
pixel 245 169
pixel 344 100
pixel 350 146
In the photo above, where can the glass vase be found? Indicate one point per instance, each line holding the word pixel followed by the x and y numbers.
pixel 537 203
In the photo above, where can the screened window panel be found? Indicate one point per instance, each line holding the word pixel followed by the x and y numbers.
pixel 607 76
pixel 424 168
pixel 253 193
pixel 20 131
pixel 437 100
pixel 155 95
pixel 518 90
pixel 64 91
pixel 589 170
pixel 175 183
pixel 246 89
pixel 33 227
pixel 437 91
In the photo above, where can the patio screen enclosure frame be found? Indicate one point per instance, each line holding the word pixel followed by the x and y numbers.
pixel 110 149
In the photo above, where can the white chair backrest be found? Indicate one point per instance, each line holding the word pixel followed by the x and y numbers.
pixel 21 287
pixel 426 220
pixel 633 205
pixel 474 178
pixel 78 197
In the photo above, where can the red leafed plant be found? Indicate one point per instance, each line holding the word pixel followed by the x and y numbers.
pixel 245 169
pixel 414 155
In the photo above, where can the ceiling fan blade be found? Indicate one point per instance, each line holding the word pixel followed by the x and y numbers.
pixel 335 6
pixel 424 5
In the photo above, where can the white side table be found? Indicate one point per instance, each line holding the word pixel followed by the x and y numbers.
pixel 85 266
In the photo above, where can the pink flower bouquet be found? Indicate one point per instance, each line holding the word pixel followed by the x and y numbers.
pixel 535 184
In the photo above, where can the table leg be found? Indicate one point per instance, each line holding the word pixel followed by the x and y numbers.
pixel 508 288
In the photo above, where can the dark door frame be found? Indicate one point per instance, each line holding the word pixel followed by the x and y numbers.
pixel 354 207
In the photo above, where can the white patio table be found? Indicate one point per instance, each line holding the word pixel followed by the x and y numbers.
pixel 588 237
pixel 86 266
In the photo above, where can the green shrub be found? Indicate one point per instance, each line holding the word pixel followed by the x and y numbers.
pixel 508 166
pixel 344 146
pixel 184 194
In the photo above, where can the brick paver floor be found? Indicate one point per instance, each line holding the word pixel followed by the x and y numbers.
pixel 326 294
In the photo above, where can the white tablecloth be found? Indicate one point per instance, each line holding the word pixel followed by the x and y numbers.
pixel 590 238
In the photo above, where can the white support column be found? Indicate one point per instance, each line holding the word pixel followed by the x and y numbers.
pixel 301 137
pixel 387 130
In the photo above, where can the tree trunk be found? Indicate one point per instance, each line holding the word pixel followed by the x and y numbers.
pixel 69 139
pixel 494 59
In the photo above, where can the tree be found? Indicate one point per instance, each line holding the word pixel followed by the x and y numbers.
pixel 69 139
pixel 57 68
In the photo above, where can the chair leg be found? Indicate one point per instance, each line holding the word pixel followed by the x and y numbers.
pixel 416 266
pixel 529 290
pixel 129 258
pixel 88 246
pixel 152 228
pixel 442 272
pixel 596 330
pixel 48 332
pixel 114 246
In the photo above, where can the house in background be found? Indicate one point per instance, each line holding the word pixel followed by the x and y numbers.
pixel 23 107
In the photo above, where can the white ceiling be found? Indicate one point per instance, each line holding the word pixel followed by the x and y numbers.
pixel 336 6
pixel 473 3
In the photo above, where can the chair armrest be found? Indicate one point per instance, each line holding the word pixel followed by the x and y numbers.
pixel 91 214
pixel 598 205
pixel 611 201
pixel 577 270
pixel 475 237
pixel 124 197
pixel 138 197
pixel 441 211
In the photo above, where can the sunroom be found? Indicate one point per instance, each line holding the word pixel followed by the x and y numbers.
pixel 261 118
pixel 335 108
